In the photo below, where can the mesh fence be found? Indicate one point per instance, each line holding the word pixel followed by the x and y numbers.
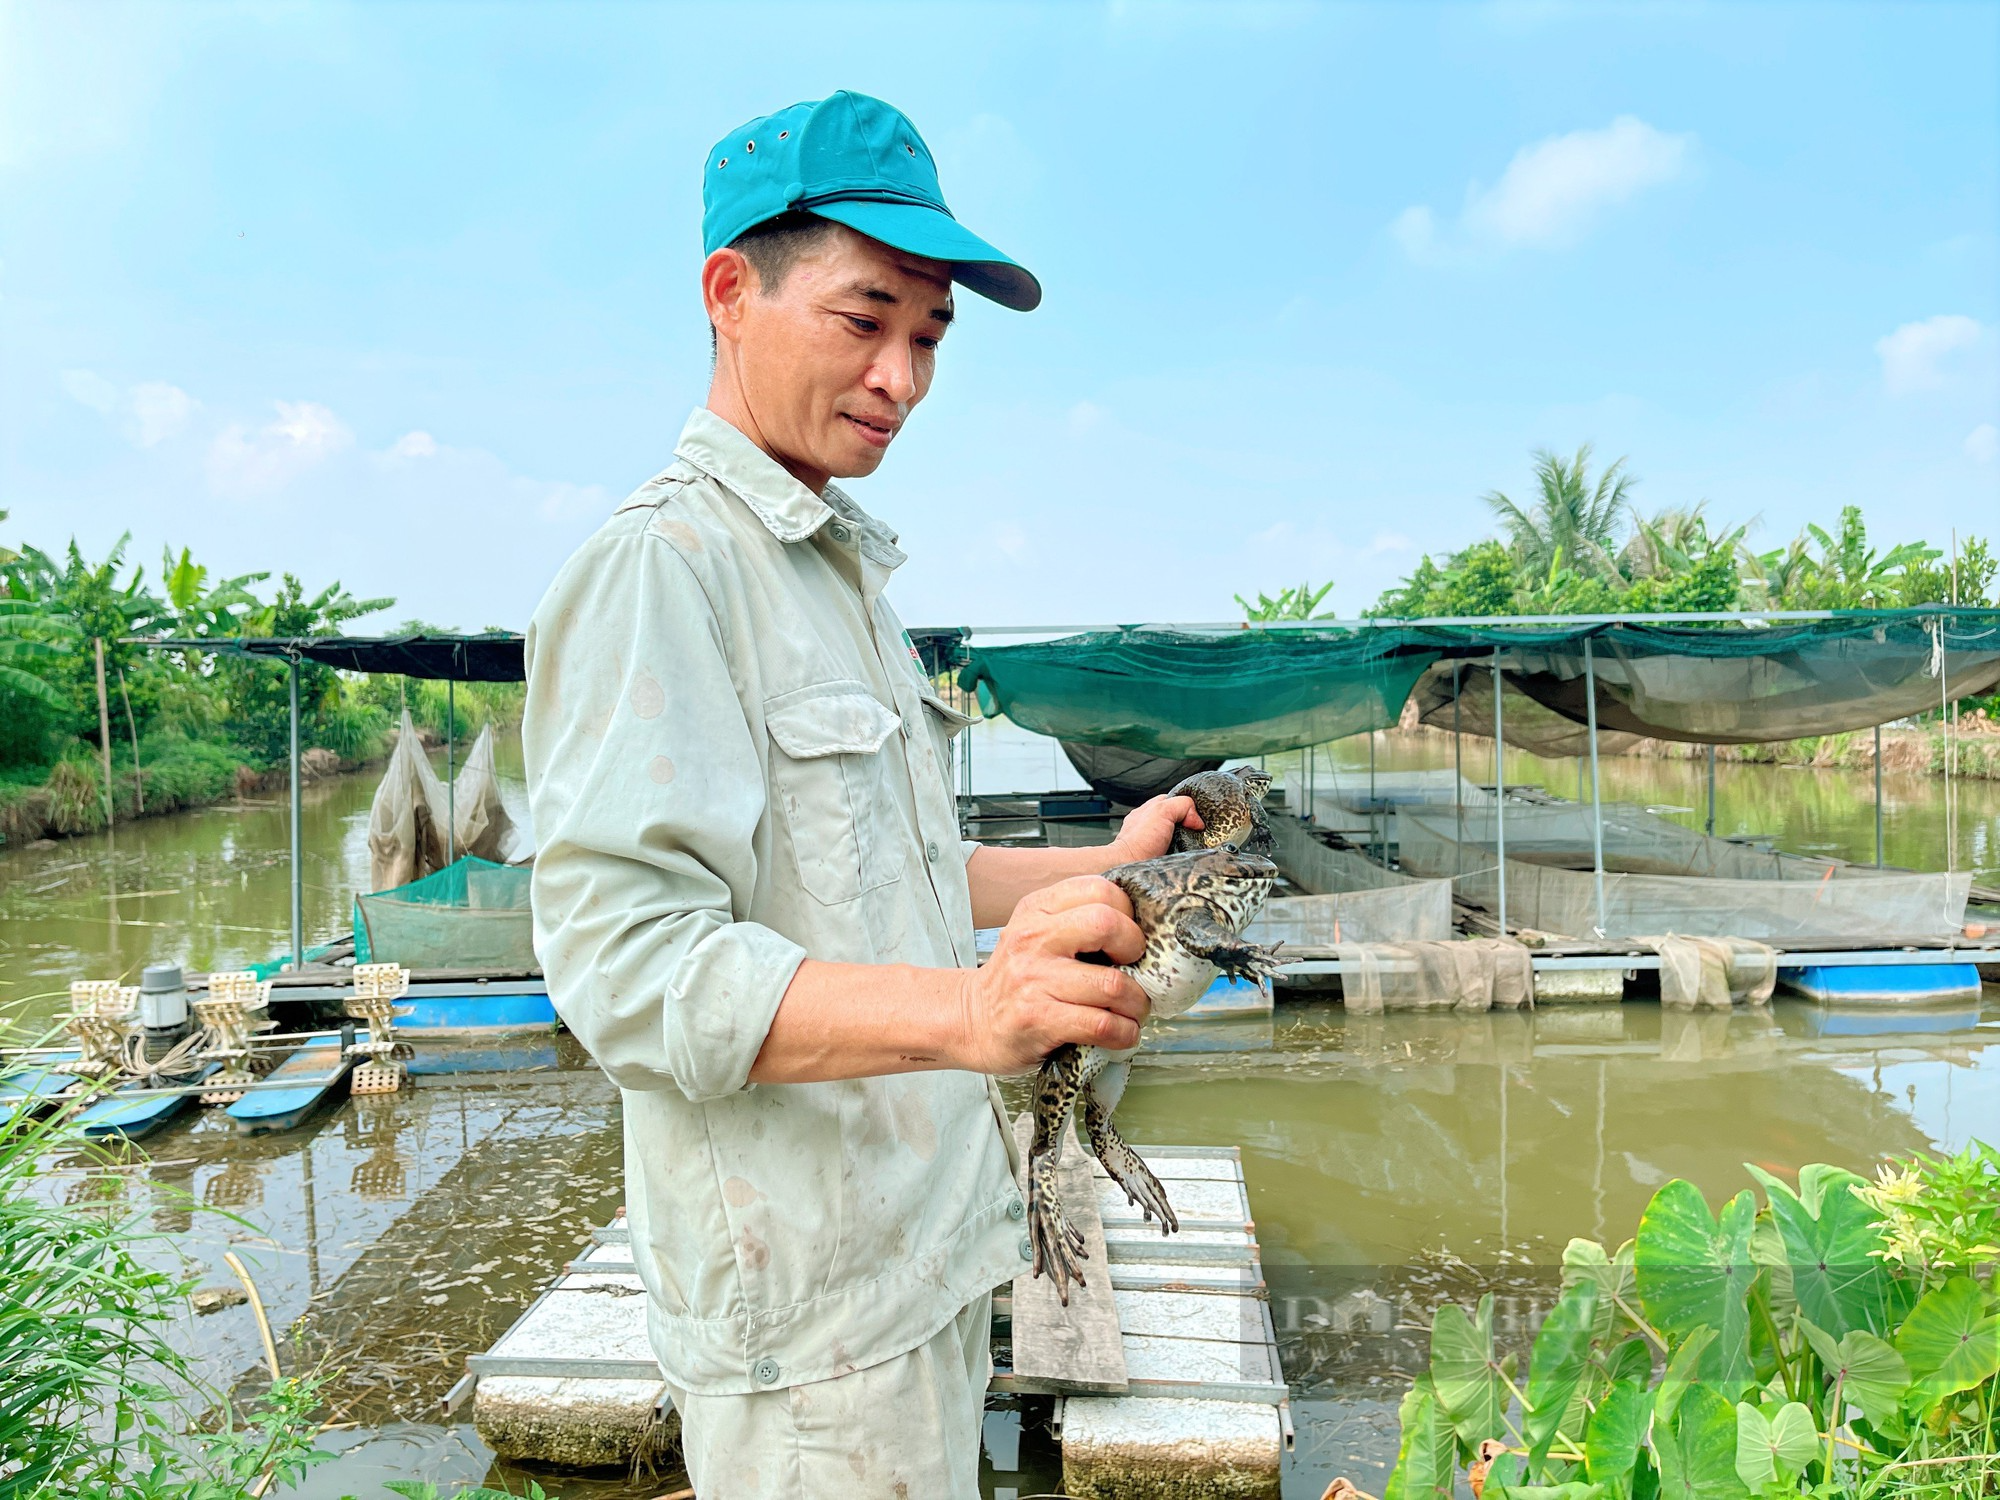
pixel 470 915
pixel 1662 877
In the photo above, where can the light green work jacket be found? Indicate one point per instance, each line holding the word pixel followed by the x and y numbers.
pixel 735 763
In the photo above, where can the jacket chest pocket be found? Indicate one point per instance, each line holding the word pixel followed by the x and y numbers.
pixel 831 779
pixel 945 725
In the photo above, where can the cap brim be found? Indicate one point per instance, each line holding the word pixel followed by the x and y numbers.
pixel 917 230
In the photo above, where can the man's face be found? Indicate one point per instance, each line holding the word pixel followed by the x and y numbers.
pixel 832 363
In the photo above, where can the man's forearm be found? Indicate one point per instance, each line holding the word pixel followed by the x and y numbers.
pixel 999 878
pixel 863 1020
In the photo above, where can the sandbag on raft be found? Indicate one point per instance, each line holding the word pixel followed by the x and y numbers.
pixel 1714 973
pixel 1469 974
pixel 406 822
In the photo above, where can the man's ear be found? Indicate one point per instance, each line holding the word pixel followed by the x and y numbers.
pixel 728 281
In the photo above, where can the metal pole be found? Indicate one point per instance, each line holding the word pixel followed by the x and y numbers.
pixel 298 858
pixel 450 775
pixel 1311 782
pixel 1878 796
pixel 1499 790
pixel 1709 826
pixel 1457 767
pixel 1596 785
pixel 104 735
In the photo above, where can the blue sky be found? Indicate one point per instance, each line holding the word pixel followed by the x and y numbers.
pixel 406 294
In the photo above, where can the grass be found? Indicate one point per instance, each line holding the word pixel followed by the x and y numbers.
pixel 96 1403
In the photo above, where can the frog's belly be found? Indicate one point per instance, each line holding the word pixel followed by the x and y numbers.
pixel 1173 980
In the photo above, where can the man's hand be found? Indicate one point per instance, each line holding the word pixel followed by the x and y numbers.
pixel 1034 993
pixel 1149 830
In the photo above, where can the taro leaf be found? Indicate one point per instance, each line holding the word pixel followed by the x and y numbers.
pixel 1631 1360
pixel 1951 1339
pixel 1427 1465
pixel 1698 1451
pixel 1694 1272
pixel 1574 1490
pixel 1767 1249
pixel 1617 1428
pixel 1561 1355
pixel 1775 1448
pixel 1585 1261
pixel 1830 1237
pixel 1872 1374
pixel 1680 1374
pixel 1465 1374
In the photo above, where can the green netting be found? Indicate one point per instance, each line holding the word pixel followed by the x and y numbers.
pixel 1171 693
pixel 469 915
pixel 1255 692
pixel 1710 686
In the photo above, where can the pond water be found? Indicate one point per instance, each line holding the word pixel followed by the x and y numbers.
pixel 1392 1160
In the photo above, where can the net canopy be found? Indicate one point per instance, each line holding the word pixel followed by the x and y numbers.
pixel 1187 694
pixel 470 915
pixel 1171 692
pixel 1662 877
pixel 1728 687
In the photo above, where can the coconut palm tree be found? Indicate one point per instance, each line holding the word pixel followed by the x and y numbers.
pixel 1571 517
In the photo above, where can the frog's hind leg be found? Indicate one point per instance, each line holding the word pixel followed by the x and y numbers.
pixel 1122 1164
pixel 1057 1244
pixel 1222 946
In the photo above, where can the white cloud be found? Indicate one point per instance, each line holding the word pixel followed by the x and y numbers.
pixel 1553 190
pixel 1916 355
pixel 159 411
pixel 1415 229
pixel 558 499
pixel 1982 444
pixel 1084 416
pixel 414 445
pixel 242 462
pixel 1009 540
pixel 88 388
pixel 153 410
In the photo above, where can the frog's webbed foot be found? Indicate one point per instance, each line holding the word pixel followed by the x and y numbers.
pixel 1125 1166
pixel 1056 1244
pixel 1222 946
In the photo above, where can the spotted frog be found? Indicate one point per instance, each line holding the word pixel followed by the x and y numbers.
pixel 1191 907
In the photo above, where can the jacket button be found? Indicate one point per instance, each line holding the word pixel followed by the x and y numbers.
pixel 766 1371
pixel 840 533
pixel 1016 1209
pixel 1027 1248
pixel 930 851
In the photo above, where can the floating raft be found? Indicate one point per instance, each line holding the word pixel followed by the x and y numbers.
pixel 1166 1367
pixel 1166 1371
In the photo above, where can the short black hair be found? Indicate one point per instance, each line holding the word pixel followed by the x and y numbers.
pixel 775 246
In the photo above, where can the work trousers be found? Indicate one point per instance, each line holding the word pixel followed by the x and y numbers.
pixel 905 1429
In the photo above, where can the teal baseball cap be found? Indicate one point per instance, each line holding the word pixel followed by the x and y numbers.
pixel 859 162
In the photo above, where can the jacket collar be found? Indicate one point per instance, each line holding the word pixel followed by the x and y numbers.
pixel 787 508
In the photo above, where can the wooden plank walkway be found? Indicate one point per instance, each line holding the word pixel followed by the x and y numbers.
pixel 1178 1326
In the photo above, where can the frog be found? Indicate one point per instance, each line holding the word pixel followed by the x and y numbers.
pixel 1191 907
pixel 1231 807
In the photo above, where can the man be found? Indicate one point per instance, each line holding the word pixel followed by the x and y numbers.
pixel 751 901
